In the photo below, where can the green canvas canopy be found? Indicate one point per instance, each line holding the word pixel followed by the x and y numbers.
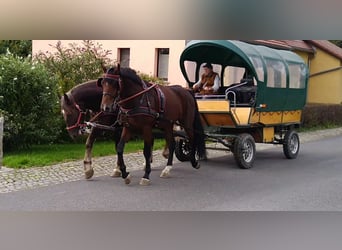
pixel 281 75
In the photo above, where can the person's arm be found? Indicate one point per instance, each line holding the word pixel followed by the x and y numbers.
pixel 197 84
pixel 196 87
pixel 216 85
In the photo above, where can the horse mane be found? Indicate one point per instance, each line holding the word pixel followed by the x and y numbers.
pixel 128 73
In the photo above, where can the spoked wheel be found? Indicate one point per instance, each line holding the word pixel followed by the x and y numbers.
pixel 244 151
pixel 291 144
pixel 182 150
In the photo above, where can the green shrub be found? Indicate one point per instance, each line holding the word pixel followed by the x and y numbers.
pixel 322 115
pixel 17 47
pixel 149 78
pixel 74 64
pixel 28 102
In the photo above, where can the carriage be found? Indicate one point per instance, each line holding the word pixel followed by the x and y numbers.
pixel 261 98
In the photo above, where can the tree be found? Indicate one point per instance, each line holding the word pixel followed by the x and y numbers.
pixel 337 42
pixel 21 48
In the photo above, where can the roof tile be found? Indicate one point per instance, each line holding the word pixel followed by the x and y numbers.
pixel 302 45
pixel 328 47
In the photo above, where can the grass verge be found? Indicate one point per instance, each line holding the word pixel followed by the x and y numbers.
pixel 43 155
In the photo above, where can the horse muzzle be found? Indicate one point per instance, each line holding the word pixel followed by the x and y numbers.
pixel 108 108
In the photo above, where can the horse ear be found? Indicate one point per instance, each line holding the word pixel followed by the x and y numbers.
pixel 66 98
pixel 99 81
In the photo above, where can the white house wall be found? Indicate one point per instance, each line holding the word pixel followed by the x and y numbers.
pixel 142 54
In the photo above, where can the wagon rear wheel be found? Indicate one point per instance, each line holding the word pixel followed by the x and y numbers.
pixel 244 151
pixel 182 150
pixel 291 144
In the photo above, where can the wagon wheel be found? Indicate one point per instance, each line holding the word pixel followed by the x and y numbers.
pixel 291 144
pixel 182 150
pixel 244 151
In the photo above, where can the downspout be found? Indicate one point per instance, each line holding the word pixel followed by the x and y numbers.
pixel 311 56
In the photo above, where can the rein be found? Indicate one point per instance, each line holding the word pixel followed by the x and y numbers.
pixel 137 110
pixel 117 77
pixel 137 94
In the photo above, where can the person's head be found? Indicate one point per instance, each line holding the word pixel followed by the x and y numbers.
pixel 208 67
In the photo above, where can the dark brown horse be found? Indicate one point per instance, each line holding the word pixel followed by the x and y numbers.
pixel 144 106
pixel 75 104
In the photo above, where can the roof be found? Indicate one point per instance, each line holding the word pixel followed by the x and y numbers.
pixel 328 47
pixel 277 44
pixel 302 45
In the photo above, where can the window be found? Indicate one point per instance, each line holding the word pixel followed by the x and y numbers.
pixel 276 73
pixel 232 75
pixel 258 66
pixel 190 68
pixel 124 56
pixel 297 76
pixel 163 63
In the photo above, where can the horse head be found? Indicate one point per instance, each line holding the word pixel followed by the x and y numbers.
pixel 72 114
pixel 110 83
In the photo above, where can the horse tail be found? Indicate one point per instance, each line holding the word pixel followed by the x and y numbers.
pixel 199 136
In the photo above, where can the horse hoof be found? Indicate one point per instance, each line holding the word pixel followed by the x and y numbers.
pixel 116 173
pixel 89 173
pixel 144 182
pixel 128 179
pixel 197 166
pixel 166 172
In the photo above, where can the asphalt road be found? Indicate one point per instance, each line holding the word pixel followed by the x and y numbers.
pixel 312 182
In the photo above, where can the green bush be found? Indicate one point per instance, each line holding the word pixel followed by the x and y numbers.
pixel 74 64
pixel 149 78
pixel 28 102
pixel 17 47
pixel 322 115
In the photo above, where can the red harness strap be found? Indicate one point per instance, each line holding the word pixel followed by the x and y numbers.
pixel 78 123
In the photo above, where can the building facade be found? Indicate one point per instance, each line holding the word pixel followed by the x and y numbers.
pixel 161 58
pixel 158 58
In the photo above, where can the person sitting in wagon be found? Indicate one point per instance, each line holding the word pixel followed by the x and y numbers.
pixel 209 82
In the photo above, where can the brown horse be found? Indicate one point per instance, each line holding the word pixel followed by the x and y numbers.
pixel 144 106
pixel 75 104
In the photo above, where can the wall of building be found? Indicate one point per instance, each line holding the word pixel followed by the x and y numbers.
pixel 142 54
pixel 326 87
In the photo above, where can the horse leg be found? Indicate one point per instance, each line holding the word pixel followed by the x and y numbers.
pixel 195 164
pixel 117 135
pixel 152 144
pixel 170 141
pixel 148 144
pixel 166 152
pixel 87 163
pixel 120 149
